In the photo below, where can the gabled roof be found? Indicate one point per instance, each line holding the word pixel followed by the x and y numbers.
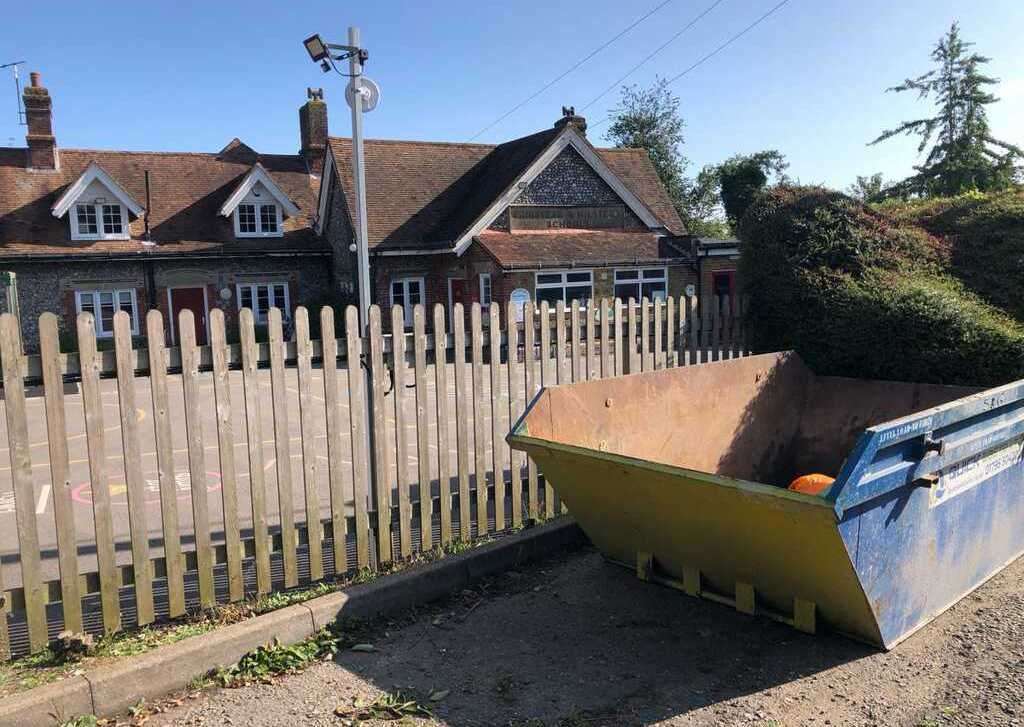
pixel 187 191
pixel 258 175
pixel 428 195
pixel 94 172
pixel 567 137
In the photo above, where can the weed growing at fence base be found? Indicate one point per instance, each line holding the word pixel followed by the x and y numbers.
pixel 388 706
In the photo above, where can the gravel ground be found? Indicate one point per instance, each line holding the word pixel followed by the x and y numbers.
pixel 574 641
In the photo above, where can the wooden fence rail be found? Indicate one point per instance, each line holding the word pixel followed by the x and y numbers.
pixel 413 455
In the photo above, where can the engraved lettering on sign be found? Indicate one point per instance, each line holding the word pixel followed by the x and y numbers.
pixel 576 218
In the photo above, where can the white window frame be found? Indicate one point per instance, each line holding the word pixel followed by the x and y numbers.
pixel 101 332
pixel 407 309
pixel 485 300
pixel 537 285
pixel 260 202
pixel 640 280
pixel 97 208
pixel 272 302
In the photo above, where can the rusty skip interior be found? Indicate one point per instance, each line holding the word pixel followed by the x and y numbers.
pixel 765 418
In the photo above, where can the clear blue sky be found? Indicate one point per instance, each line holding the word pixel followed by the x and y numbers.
pixel 809 81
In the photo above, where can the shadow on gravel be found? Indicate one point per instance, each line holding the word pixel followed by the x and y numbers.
pixel 577 641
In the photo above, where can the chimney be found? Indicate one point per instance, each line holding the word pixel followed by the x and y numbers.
pixel 313 129
pixel 42 144
pixel 569 118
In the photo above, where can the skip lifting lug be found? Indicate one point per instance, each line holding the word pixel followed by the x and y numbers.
pixel 929 446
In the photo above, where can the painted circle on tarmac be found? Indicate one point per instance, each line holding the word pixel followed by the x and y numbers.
pixel 82 494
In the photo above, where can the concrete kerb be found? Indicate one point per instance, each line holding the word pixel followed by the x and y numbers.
pixel 112 690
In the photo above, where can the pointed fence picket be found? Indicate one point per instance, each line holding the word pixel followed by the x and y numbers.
pixel 358 470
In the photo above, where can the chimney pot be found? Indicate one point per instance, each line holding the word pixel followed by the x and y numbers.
pixel 35 79
pixel 313 129
pixel 569 118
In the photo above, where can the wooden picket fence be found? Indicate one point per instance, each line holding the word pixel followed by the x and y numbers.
pixel 392 498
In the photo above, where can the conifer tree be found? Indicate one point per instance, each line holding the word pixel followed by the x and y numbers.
pixel 963 154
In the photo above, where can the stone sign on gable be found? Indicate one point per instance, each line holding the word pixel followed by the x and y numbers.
pixel 547 217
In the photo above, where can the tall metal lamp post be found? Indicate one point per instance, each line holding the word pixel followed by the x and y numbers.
pixel 362 94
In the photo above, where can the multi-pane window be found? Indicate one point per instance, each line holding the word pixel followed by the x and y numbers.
pixel 408 293
pixel 254 219
pixel 268 218
pixel 485 289
pixel 98 222
pixel 247 219
pixel 565 286
pixel 86 214
pixel 261 297
pixel 112 219
pixel 103 304
pixel 650 283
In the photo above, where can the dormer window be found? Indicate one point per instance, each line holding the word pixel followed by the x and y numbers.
pixel 257 219
pixel 258 205
pixel 97 206
pixel 98 221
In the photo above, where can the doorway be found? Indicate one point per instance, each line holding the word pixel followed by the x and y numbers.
pixel 193 299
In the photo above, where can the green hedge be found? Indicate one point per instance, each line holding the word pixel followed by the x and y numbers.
pixel 983 236
pixel 857 293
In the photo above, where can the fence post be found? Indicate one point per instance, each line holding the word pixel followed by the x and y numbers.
pixel 226 450
pixel 515 409
pixel 21 474
pixel 426 498
pixel 310 469
pixel 479 431
pixel 399 371
pixel 333 423
pixel 593 370
pixel 659 351
pixel 531 390
pixel 444 479
pixel 606 353
pixel 498 447
pixel 57 440
pixel 462 409
pixel 196 455
pixel 99 485
pixel 381 470
pixel 254 439
pixel 359 420
pixel 141 568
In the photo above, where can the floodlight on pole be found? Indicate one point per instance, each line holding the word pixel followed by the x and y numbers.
pixel 316 47
pixel 362 95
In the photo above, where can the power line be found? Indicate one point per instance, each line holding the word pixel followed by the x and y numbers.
pixel 571 69
pixel 651 55
pixel 715 52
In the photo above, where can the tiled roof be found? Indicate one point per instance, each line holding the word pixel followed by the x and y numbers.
pixel 426 194
pixel 186 191
pixel 567 247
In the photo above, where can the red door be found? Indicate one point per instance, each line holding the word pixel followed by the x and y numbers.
pixel 193 299
pixel 458 293
pixel 458 290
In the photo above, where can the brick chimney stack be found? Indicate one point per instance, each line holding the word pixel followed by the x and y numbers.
pixel 313 129
pixel 569 118
pixel 42 144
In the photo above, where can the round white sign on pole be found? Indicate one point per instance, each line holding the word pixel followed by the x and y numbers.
pixel 519 298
